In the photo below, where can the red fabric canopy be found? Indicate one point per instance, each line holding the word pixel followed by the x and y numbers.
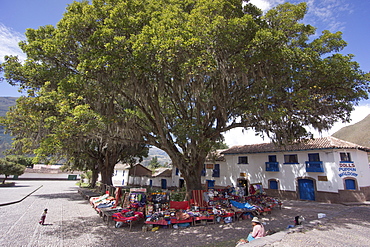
pixel 179 205
pixel 198 198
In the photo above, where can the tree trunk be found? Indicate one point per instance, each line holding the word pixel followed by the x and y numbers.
pixel 192 179
pixel 106 175
pixel 190 166
pixel 191 172
pixel 94 177
pixel 6 176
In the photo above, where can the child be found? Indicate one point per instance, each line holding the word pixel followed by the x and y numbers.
pixel 43 216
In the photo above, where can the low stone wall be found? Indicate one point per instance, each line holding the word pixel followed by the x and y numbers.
pixel 283 194
pixel 43 170
pixel 329 197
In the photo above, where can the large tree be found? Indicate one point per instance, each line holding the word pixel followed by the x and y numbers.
pixel 13 165
pixel 185 71
pixel 55 127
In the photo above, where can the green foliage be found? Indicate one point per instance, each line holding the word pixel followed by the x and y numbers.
pixel 178 196
pixel 176 75
pixel 220 145
pixel 13 165
pixel 154 164
pixel 87 175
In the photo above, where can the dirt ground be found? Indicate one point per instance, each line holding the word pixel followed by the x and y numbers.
pixel 71 221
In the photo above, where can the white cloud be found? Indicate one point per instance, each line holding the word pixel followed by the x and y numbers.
pixel 9 40
pixel 327 13
pixel 320 12
pixel 264 5
pixel 239 136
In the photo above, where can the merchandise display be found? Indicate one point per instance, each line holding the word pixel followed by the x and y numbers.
pixel 157 210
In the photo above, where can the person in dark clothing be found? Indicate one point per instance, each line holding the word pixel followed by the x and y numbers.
pixel 43 217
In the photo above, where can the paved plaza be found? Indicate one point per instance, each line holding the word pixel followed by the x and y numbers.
pixel 71 221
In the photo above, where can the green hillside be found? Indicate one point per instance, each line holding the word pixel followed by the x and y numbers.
pixel 5 103
pixel 357 133
pixel 5 139
pixel 162 156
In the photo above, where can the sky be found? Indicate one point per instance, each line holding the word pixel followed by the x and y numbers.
pixel 351 17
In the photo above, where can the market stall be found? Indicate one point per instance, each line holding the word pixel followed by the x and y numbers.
pixel 157 210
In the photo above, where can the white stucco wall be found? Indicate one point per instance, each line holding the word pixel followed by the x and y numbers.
pixel 119 176
pixel 360 170
pixel 157 181
pixel 255 169
pixel 225 178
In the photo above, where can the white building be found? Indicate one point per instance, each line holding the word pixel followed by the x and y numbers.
pixel 162 178
pixel 139 175
pixel 324 169
pixel 125 174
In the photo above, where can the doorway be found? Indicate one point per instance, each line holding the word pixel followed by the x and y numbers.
pixel 164 184
pixel 243 184
pixel 306 189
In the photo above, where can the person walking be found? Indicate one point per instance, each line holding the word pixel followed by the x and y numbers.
pixel 43 216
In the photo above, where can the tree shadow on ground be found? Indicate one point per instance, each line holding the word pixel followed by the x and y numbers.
pixel 103 235
pixel 71 196
pixel 358 215
pixel 17 186
pixel 93 227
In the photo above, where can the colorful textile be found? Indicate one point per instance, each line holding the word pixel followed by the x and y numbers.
pixel 198 198
pixel 245 205
pixel 118 195
pixel 127 216
pixel 179 205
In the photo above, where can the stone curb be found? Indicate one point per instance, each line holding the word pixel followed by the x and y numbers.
pixel 278 236
pixel 13 202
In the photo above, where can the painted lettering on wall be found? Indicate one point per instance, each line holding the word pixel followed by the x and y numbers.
pixel 347 169
pixel 347 165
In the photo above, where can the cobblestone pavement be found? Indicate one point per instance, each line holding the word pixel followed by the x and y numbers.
pixel 72 222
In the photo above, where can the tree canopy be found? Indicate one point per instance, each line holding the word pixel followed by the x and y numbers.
pixel 179 73
pixel 13 165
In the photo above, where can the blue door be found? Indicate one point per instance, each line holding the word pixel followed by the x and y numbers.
pixel 306 189
pixel 164 184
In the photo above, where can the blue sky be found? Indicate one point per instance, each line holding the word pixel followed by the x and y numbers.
pixel 348 16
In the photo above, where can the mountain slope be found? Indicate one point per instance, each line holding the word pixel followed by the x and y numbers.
pixel 5 103
pixel 5 139
pixel 358 133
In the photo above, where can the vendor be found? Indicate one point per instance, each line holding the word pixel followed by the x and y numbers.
pixel 180 215
pixel 258 230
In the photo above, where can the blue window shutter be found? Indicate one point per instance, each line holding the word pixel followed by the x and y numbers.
pixel 204 170
pixel 273 184
pixel 216 171
pixel 350 184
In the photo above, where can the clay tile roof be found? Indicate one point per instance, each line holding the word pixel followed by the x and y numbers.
pixel 120 166
pixel 163 172
pixel 313 144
